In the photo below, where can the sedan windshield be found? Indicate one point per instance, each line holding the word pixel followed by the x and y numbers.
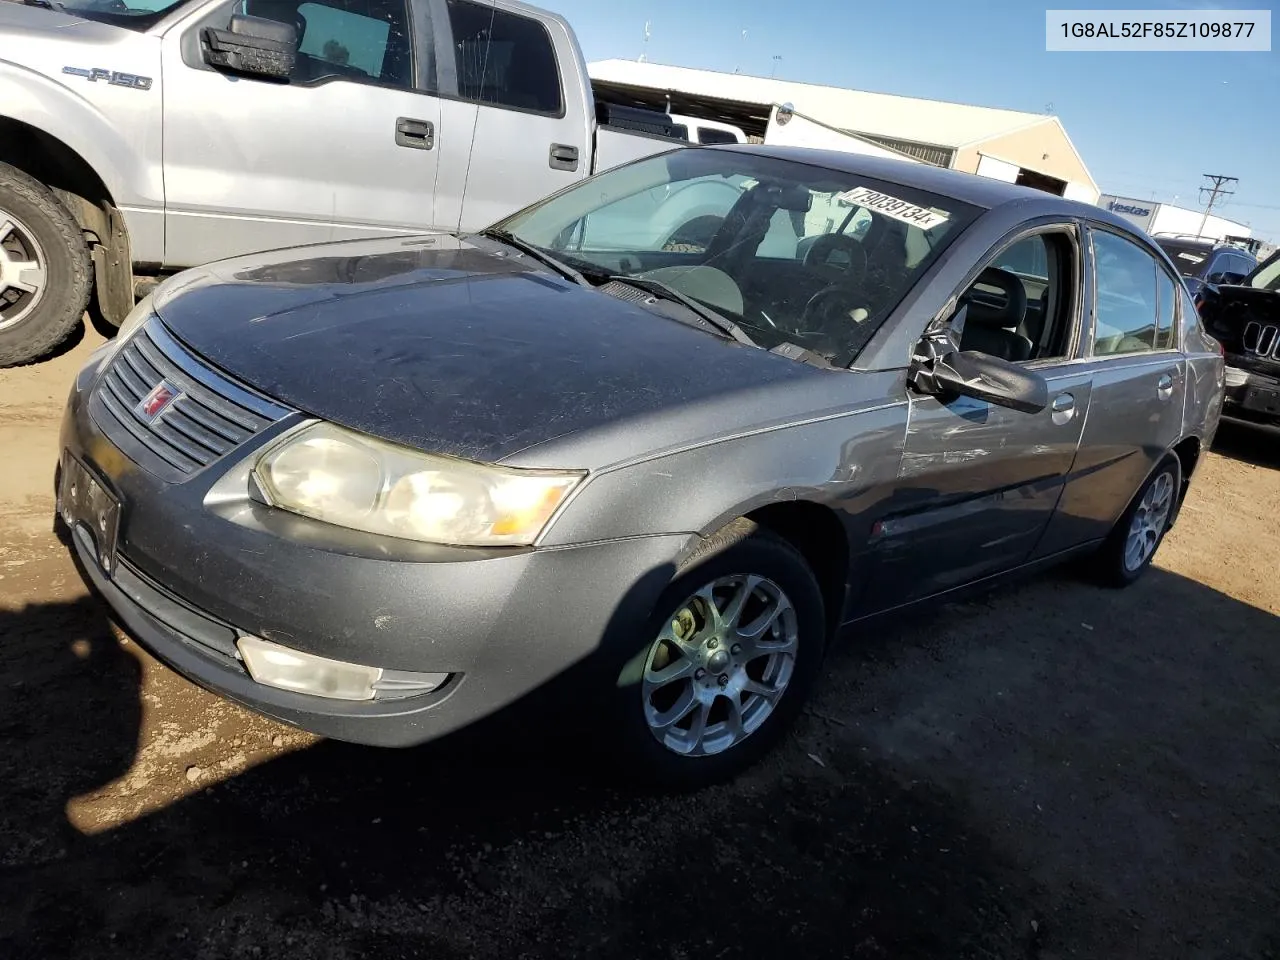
pixel 789 252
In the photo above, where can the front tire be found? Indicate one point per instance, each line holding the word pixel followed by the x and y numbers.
pixel 728 660
pixel 1139 532
pixel 45 271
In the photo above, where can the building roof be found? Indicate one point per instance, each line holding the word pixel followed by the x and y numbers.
pixel 935 122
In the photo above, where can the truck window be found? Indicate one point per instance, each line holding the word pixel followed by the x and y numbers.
pixel 362 40
pixel 712 135
pixel 504 59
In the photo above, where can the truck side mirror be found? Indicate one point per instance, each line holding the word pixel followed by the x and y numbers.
pixel 254 46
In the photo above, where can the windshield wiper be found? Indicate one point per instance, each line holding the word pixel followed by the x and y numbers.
pixel 537 253
pixel 717 320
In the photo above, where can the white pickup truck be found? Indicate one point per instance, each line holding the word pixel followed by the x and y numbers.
pixel 139 137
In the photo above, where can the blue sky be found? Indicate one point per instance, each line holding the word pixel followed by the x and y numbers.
pixel 1144 122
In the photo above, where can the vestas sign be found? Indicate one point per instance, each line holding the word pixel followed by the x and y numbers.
pixel 1118 206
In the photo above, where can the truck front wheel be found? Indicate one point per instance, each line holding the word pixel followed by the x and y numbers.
pixel 45 271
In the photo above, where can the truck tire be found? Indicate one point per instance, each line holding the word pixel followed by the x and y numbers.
pixel 45 271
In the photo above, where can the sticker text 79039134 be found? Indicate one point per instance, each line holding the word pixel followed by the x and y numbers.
pixel 891 206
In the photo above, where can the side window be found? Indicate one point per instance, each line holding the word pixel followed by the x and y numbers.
pixel 1125 288
pixel 504 59
pixel 1166 295
pixel 1023 304
pixel 1191 327
pixel 362 40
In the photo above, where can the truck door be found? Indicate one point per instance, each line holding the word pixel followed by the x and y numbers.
pixel 345 148
pixel 515 124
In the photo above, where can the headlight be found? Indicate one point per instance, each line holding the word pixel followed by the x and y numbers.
pixel 136 317
pixel 336 475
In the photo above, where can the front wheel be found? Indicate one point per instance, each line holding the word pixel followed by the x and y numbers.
pixel 1137 535
pixel 729 658
pixel 45 271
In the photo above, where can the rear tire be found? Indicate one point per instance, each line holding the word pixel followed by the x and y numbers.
pixel 45 271
pixel 769 676
pixel 1137 535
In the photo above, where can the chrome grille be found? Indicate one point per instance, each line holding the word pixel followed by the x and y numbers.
pixel 1262 341
pixel 209 415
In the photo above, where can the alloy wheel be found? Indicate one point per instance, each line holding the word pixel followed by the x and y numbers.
pixel 720 665
pixel 1148 522
pixel 23 271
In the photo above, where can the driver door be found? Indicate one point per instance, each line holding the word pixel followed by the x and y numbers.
pixel 978 483
pixel 253 164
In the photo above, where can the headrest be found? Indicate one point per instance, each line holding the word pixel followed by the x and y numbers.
pixel 1003 309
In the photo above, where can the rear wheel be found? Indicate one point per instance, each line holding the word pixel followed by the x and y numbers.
pixel 1133 542
pixel 729 658
pixel 45 271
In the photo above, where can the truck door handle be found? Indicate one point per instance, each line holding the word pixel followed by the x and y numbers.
pixel 563 157
pixel 1063 407
pixel 1164 386
pixel 416 134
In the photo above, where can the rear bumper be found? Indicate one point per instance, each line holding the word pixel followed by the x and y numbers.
pixel 1251 396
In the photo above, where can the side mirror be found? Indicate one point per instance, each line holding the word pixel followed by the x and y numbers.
pixel 1225 277
pixel 968 373
pixel 254 46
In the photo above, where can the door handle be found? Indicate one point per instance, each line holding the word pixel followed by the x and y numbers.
pixel 1063 408
pixel 1164 386
pixel 563 157
pixel 416 134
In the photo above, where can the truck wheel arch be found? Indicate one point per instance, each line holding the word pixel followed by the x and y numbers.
pixel 85 195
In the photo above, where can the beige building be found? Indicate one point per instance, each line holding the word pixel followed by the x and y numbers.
pixel 1028 148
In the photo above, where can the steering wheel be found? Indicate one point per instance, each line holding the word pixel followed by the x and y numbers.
pixel 818 257
pixel 833 313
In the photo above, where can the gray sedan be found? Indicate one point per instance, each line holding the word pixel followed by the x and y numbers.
pixel 643 450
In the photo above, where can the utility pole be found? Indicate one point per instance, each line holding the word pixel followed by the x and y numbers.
pixel 1217 190
pixel 776 59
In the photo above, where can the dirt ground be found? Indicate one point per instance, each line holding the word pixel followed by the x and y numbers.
pixel 1051 771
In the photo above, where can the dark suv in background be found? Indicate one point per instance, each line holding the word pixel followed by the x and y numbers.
pixel 1204 260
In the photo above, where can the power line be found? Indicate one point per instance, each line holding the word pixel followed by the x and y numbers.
pixel 1217 190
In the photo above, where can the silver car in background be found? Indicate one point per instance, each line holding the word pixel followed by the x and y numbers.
pixel 643 468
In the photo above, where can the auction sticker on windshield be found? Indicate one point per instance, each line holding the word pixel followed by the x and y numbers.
pixel 891 206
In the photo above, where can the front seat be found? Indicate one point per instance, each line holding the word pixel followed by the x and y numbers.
pixel 993 318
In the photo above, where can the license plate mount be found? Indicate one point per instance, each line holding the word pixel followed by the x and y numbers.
pixel 85 502
pixel 1262 399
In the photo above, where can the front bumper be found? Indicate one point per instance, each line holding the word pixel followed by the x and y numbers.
pixel 193 574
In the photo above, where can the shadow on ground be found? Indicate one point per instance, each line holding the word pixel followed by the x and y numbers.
pixel 865 836
pixel 1249 443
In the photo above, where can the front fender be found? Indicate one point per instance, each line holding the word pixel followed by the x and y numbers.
pixel 116 130
pixel 848 462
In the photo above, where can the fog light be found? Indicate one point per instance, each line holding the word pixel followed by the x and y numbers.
pixel 1236 377
pixel 276 666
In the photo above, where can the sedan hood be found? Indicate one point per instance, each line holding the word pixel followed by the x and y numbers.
pixel 451 346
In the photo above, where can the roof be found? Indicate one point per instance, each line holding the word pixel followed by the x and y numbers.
pixel 966 187
pixel 935 122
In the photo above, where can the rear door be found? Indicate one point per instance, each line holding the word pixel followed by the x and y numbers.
pixel 344 149
pixel 515 125
pixel 978 483
pixel 1139 387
